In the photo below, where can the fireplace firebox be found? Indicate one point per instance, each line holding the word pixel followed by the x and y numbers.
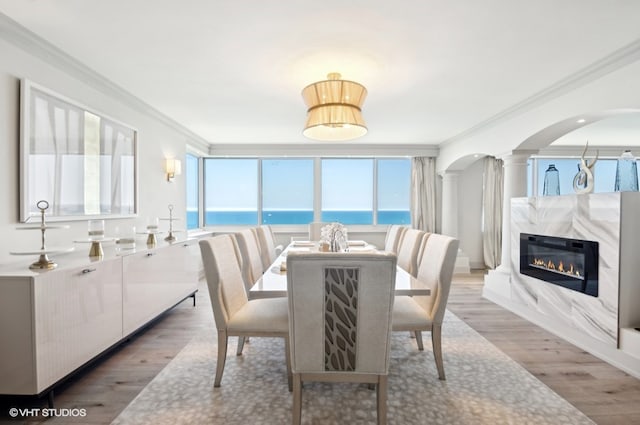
pixel 570 263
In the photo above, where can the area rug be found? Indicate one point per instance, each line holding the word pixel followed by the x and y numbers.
pixel 483 386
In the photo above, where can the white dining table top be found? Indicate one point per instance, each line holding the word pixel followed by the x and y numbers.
pixel 273 282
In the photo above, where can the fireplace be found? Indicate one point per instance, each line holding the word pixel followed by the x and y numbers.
pixel 570 263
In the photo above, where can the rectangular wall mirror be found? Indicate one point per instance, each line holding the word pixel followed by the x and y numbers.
pixel 80 161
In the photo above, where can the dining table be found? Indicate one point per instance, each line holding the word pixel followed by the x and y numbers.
pixel 273 282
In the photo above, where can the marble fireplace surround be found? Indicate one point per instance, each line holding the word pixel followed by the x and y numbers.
pixel 602 325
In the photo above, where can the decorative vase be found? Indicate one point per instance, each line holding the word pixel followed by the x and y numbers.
pixel 626 173
pixel 551 181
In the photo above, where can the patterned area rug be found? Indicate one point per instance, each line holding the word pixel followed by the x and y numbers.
pixel 483 386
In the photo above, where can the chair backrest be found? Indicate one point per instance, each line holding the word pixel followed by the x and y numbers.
pixel 251 259
pixel 436 269
pixel 221 259
pixel 340 309
pixel 315 229
pixel 409 249
pixel 394 234
pixel 267 245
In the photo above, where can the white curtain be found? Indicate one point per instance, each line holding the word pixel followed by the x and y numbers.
pixel 492 211
pixel 423 193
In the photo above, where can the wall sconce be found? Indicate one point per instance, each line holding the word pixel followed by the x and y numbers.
pixel 173 167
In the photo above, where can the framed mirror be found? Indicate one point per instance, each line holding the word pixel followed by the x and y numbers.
pixel 80 161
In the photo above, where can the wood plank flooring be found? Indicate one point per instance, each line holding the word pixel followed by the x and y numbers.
pixel 605 394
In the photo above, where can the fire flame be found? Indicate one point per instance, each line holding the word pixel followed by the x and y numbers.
pixel 561 267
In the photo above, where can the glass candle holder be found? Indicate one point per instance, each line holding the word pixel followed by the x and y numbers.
pixel 96 229
pixel 152 224
pixel 126 238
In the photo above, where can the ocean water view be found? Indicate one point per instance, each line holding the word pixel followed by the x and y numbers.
pixel 213 218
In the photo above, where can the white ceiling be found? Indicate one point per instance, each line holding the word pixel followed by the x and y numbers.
pixel 232 71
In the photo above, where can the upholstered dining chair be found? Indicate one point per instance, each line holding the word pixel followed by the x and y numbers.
pixel 394 235
pixel 425 313
pixel 234 313
pixel 340 309
pixel 409 250
pixel 250 254
pixel 269 251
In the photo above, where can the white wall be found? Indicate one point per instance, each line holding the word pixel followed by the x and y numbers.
pixel 615 90
pixel 470 213
pixel 156 140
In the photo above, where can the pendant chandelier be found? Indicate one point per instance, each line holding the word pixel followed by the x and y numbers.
pixel 334 112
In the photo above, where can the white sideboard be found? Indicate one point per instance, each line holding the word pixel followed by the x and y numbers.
pixel 53 322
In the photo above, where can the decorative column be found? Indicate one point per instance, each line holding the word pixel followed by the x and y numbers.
pixel 515 186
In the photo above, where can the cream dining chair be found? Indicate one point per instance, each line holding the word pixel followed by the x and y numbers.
pixel 394 235
pixel 340 309
pixel 409 250
pixel 425 313
pixel 251 259
pixel 234 313
pixel 269 251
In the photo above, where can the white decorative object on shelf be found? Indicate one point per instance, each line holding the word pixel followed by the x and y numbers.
pixel 43 263
pixel 583 181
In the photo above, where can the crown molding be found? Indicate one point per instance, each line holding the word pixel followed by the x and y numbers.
pixel 320 149
pixel 571 151
pixel 14 33
pixel 616 60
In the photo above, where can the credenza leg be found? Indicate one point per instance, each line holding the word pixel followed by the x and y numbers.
pixel 50 399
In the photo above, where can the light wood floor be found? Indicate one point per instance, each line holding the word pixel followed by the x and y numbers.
pixel 605 394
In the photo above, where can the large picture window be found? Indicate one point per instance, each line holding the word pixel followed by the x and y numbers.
pixel 231 191
pixel 248 191
pixel 287 191
pixel 394 188
pixel 347 191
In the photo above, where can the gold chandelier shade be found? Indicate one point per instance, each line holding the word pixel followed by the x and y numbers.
pixel 334 109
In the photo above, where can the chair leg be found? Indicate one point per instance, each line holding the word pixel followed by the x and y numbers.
pixel 222 357
pixel 382 399
pixel 241 340
pixel 419 340
pixel 297 399
pixel 287 356
pixel 436 340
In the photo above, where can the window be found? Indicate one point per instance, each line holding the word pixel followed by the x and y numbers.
pixel 394 186
pixel 287 191
pixel 193 189
pixel 567 169
pixel 347 191
pixel 248 191
pixel 604 174
pixel 231 191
